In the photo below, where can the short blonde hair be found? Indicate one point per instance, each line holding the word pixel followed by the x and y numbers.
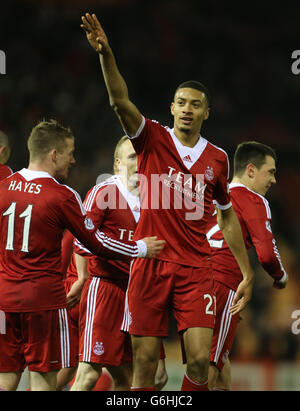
pixel 46 136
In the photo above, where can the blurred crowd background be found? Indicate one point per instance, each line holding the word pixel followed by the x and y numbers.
pixel 240 50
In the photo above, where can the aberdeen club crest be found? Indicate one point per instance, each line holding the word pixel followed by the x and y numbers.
pixel 209 173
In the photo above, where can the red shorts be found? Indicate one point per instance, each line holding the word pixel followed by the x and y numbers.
pixel 101 315
pixel 225 327
pixel 156 287
pixel 73 317
pixel 39 340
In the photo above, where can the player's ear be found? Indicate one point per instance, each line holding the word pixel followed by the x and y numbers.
pixel 2 151
pixel 53 155
pixel 116 165
pixel 206 114
pixel 172 108
pixel 250 170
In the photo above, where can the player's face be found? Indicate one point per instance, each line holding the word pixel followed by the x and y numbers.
pixel 189 110
pixel 265 176
pixel 127 163
pixel 64 160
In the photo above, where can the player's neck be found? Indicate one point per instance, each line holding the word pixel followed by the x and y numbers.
pixel 243 180
pixel 133 189
pixel 186 138
pixel 36 166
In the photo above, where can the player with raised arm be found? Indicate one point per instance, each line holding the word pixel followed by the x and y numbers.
pixel 181 174
pixel 254 173
pixel 35 210
pixel 5 171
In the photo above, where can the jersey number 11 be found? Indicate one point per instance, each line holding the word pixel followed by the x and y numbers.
pixel 11 213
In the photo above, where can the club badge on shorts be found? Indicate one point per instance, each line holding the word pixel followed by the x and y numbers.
pixel 98 348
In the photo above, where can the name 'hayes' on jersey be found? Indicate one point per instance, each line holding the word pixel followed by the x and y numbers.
pixel 254 215
pixel 177 186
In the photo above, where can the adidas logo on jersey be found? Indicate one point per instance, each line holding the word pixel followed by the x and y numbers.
pixel 187 158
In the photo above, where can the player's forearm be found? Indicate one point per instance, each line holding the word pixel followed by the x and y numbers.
pixel 270 259
pixel 127 113
pixel 232 232
pixel 82 267
pixel 114 81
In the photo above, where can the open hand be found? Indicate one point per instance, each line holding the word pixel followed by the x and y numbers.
pixel 73 296
pixel 242 297
pixel 94 33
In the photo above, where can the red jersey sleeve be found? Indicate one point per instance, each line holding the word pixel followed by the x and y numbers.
pixel 83 228
pixel 221 191
pixel 95 212
pixel 257 216
pixel 140 141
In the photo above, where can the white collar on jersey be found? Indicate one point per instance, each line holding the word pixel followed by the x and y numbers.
pixel 132 200
pixel 265 201
pixel 189 155
pixel 31 174
pixel 233 185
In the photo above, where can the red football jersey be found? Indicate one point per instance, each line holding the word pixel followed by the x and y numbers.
pixel 115 211
pixel 254 214
pixel 5 171
pixel 177 186
pixel 35 210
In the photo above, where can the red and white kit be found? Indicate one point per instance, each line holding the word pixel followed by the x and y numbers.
pixel 113 209
pixel 177 185
pixel 35 210
pixel 254 214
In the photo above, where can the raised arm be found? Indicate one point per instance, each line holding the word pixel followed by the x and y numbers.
pixel 127 112
pixel 230 226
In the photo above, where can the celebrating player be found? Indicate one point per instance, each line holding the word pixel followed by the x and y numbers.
pixel 114 207
pixel 181 174
pixel 35 209
pixel 254 173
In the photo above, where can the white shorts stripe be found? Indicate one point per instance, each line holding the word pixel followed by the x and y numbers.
pixel 90 314
pixel 64 338
pixel 127 317
pixel 225 324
